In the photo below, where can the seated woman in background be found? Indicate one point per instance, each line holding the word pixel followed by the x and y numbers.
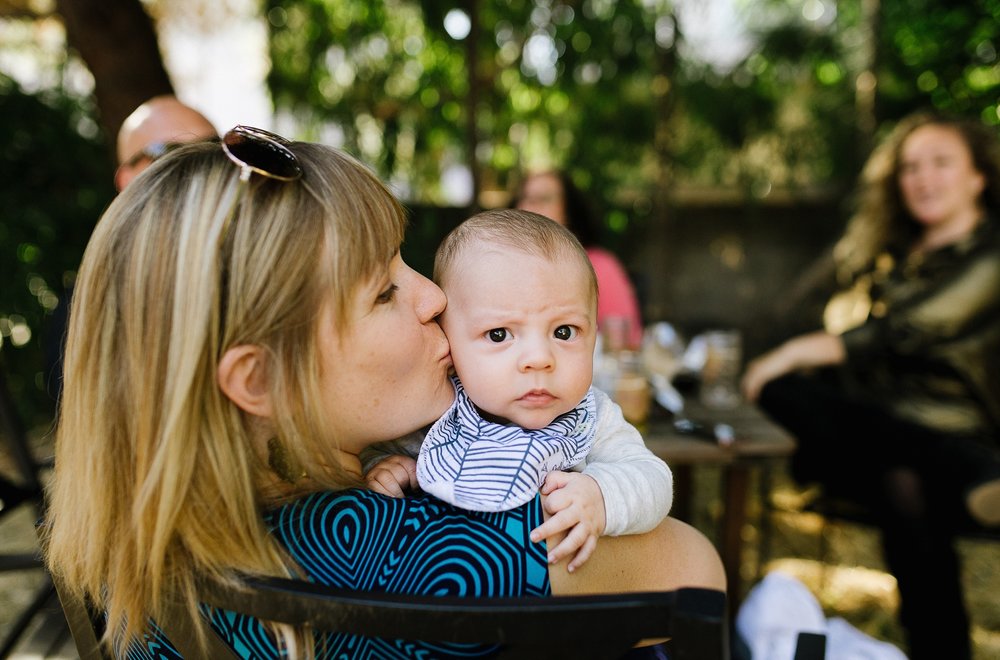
pixel 243 327
pixel 901 412
pixel 554 195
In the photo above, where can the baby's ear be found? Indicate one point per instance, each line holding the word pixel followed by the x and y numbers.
pixel 242 376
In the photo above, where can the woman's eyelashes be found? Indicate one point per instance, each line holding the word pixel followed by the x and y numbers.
pixel 387 295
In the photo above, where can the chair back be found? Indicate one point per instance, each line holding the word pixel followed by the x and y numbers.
pixel 605 626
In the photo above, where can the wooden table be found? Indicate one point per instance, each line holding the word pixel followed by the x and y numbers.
pixel 757 439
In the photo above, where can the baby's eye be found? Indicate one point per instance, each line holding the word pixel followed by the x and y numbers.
pixel 387 295
pixel 565 332
pixel 497 335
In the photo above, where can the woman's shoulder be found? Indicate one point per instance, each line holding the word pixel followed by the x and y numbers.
pixel 609 269
pixel 989 234
pixel 322 504
pixel 317 518
pixel 981 247
pixel 360 539
pixel 602 257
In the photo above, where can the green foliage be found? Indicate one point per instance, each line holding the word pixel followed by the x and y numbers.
pixel 585 85
pixel 57 182
pixel 941 55
pixel 557 84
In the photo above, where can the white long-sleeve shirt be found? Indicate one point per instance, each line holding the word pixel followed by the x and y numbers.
pixel 638 487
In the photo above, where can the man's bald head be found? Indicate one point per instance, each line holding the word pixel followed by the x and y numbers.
pixel 160 120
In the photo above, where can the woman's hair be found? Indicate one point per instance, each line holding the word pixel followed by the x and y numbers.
pixel 158 474
pixel 580 216
pixel 882 221
pixel 519 230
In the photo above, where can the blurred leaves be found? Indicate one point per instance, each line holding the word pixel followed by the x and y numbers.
pixel 575 84
pixel 57 182
pixel 557 83
pixel 942 55
pixel 581 84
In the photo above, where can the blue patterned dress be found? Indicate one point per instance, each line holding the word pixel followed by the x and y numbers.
pixel 416 545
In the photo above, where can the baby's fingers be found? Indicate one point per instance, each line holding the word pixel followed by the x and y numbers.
pixel 553 481
pixel 583 554
pixel 552 526
pixel 573 542
pixel 383 482
pixel 393 475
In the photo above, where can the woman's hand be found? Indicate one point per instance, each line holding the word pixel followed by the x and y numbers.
pixel 816 349
pixel 393 475
pixel 575 503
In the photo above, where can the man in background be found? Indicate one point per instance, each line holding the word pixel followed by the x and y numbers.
pixel 152 129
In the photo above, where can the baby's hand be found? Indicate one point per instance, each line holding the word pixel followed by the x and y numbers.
pixel 573 500
pixel 393 475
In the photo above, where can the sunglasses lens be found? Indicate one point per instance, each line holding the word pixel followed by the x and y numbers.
pixel 262 152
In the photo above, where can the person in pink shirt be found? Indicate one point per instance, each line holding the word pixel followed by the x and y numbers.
pixel 554 195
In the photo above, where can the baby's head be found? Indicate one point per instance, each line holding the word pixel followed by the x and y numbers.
pixel 521 315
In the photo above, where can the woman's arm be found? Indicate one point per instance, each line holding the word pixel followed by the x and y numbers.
pixel 816 349
pixel 671 556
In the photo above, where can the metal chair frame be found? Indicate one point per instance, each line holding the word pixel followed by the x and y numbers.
pixel 584 627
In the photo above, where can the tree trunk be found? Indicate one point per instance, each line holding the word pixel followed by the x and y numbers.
pixel 117 42
pixel 665 99
pixel 472 101
pixel 866 83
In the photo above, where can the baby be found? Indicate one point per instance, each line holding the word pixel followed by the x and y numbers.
pixel 521 321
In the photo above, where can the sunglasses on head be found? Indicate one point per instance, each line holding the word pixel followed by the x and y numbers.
pixel 258 151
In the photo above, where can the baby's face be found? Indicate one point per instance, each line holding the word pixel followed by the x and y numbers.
pixel 522 330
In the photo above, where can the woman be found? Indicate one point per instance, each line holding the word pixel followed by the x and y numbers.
pixel 243 327
pixel 903 413
pixel 554 195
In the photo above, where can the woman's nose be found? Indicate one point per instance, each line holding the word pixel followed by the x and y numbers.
pixel 921 173
pixel 431 301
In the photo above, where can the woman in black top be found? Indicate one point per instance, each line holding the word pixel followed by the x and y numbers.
pixel 899 407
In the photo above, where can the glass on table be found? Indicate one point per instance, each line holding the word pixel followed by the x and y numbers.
pixel 720 374
pixel 632 391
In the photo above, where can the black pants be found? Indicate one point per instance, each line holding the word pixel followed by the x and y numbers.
pixel 911 478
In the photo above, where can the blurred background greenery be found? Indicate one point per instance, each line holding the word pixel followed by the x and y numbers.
pixel 617 91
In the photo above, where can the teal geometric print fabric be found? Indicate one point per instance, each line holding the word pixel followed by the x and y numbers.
pixel 416 545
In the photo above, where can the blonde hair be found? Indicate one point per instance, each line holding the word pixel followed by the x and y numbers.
pixel 158 479
pixel 881 221
pixel 527 232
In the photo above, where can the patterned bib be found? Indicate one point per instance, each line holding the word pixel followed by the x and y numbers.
pixel 480 465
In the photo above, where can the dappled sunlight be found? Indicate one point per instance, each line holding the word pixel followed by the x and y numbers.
pixel 841 564
pixel 842 588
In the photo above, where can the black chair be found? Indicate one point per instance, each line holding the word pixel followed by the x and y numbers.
pixel 25 491
pixel 567 626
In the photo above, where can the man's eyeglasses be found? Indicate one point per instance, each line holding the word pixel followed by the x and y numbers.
pixel 151 152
